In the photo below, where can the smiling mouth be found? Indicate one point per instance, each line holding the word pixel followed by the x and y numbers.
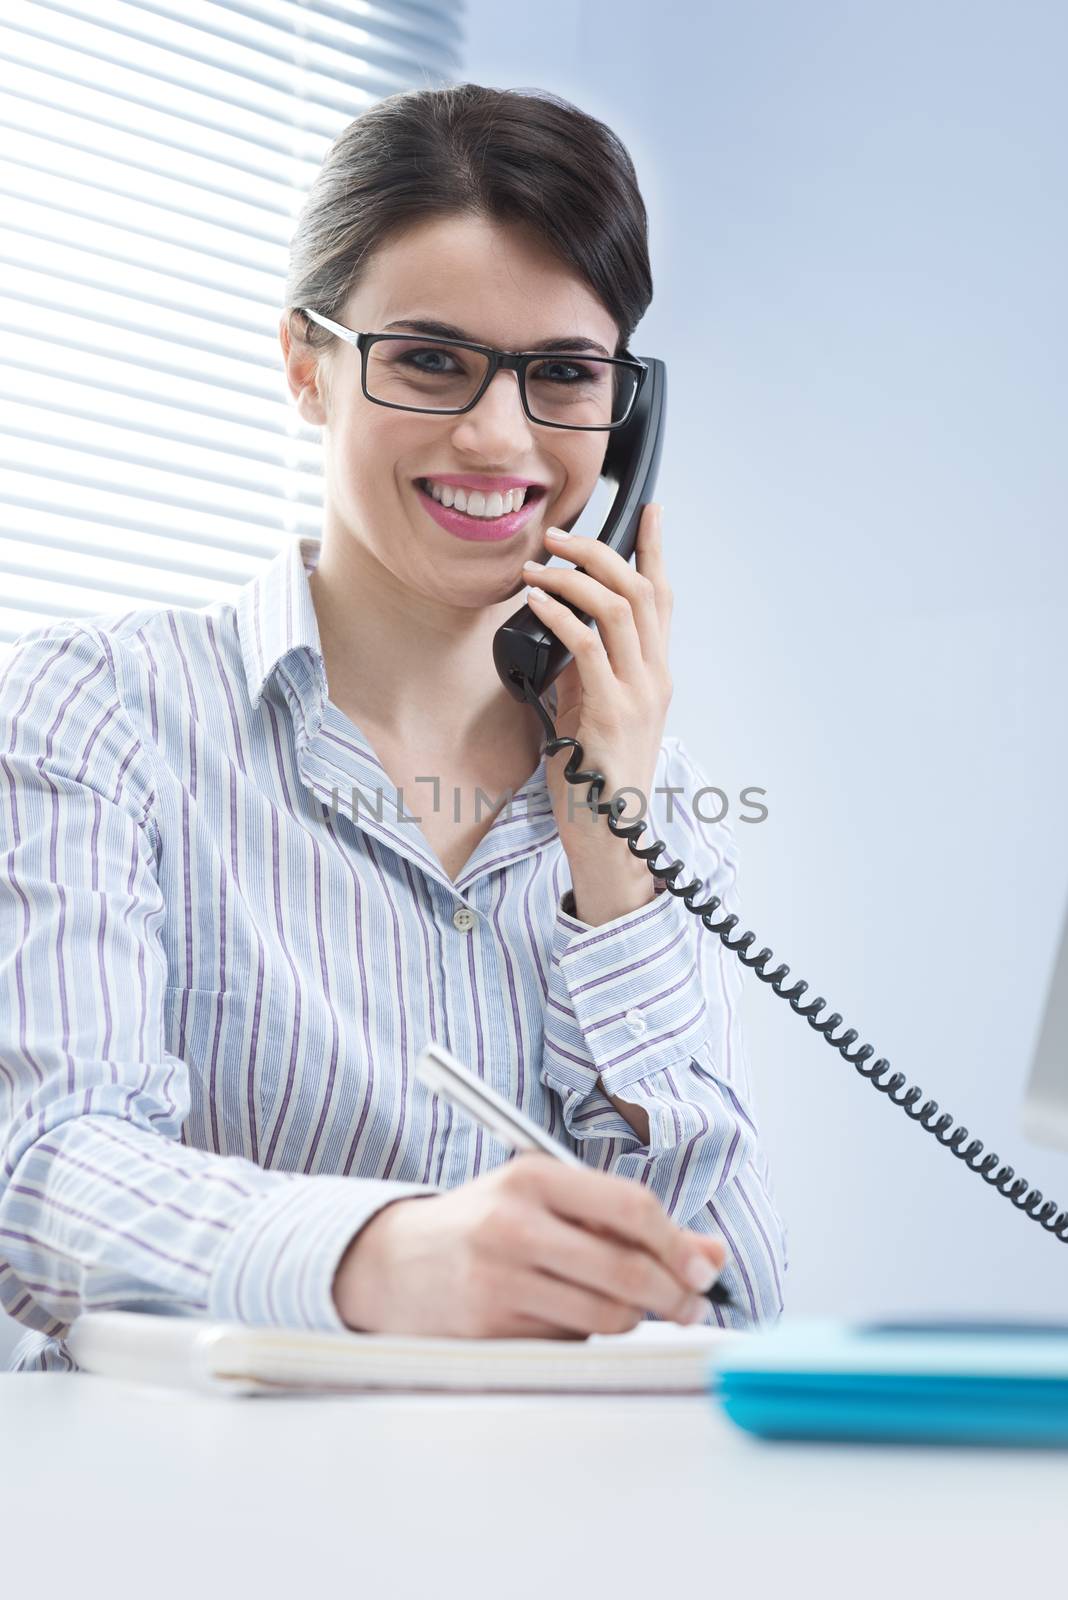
pixel 533 492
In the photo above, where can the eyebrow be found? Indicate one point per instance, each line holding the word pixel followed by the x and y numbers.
pixel 446 330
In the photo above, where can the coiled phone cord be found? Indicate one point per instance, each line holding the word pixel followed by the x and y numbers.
pixel 952 1137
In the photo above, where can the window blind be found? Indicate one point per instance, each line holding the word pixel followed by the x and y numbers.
pixel 153 159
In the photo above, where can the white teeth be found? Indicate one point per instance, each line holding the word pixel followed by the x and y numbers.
pixel 477 504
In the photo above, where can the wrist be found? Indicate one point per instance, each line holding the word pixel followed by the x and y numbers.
pixel 602 896
pixel 360 1273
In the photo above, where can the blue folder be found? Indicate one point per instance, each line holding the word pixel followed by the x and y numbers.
pixel 947 1381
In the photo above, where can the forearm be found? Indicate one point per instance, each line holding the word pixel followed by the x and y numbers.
pixel 635 1115
pixel 101 1212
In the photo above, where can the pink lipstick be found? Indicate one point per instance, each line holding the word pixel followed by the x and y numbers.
pixel 482 530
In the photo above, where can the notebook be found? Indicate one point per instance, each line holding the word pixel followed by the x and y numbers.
pixel 190 1352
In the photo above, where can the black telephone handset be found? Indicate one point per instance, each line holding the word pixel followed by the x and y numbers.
pixel 523 647
pixel 528 656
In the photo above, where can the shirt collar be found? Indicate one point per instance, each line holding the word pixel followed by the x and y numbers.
pixel 276 616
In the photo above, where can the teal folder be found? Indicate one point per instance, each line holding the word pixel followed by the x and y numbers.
pixel 946 1381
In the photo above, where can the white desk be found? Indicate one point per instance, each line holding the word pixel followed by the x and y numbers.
pixel 108 1488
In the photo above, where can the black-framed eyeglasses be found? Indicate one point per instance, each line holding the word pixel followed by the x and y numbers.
pixel 558 389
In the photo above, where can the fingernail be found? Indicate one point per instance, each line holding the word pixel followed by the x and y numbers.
pixel 536 566
pixel 695 1310
pixel 556 533
pixel 701 1274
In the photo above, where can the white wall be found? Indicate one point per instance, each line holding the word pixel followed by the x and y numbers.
pixel 858 240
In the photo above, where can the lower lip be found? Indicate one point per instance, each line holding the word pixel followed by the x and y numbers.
pixel 479 529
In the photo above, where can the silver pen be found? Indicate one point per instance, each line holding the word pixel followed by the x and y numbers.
pixel 443 1074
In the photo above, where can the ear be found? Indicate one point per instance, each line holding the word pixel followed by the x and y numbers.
pixel 304 374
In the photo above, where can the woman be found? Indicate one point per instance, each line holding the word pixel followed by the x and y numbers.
pixel 251 867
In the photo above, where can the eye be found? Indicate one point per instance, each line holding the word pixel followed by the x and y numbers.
pixel 413 358
pixel 552 370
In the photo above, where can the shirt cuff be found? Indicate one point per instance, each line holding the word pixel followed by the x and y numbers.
pixel 278 1267
pixel 625 999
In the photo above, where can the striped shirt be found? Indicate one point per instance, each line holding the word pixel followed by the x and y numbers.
pixel 221 953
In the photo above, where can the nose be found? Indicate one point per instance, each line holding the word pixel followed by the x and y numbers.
pixel 497 428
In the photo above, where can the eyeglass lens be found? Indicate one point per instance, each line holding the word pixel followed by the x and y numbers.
pixel 578 390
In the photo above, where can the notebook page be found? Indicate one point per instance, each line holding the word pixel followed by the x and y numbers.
pixel 655 1357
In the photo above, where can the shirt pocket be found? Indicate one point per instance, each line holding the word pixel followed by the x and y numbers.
pixel 212 1031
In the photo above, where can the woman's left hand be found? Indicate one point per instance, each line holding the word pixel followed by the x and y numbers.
pixel 614 695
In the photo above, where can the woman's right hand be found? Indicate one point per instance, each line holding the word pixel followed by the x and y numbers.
pixel 536 1249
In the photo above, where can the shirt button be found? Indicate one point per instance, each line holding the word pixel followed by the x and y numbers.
pixel 463 919
pixel 635 1021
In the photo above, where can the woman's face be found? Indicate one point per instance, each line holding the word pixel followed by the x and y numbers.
pixel 498 285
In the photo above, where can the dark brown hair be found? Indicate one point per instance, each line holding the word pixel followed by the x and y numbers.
pixel 510 155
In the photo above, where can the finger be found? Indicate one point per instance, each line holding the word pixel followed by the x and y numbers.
pixel 567 1305
pixel 537 1328
pixel 650 563
pixel 591 657
pixel 611 569
pixel 620 1271
pixel 611 611
pixel 713 1248
pixel 592 554
pixel 623 1208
